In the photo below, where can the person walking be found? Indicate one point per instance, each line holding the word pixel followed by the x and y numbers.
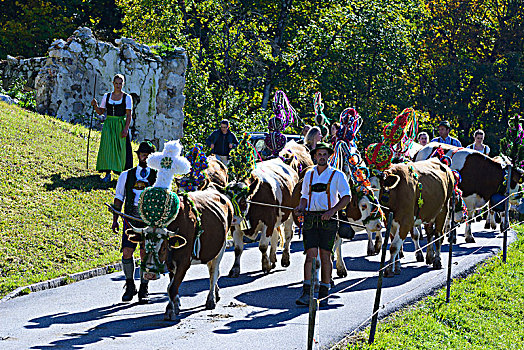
pixel 444 128
pixel 322 187
pixel 222 141
pixel 115 153
pixel 479 145
pixel 129 186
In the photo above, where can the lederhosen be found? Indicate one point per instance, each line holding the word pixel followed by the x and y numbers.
pixel 119 110
pixel 129 201
pixel 319 233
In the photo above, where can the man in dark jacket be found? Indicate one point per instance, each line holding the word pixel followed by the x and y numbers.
pixel 222 141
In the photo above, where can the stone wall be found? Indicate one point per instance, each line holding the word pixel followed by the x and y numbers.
pixel 65 83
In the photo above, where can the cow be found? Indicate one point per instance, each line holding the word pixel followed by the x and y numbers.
pixel 482 177
pixel 416 193
pixel 196 240
pixel 297 156
pixel 271 182
pixel 216 174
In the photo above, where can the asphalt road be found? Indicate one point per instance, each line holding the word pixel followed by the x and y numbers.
pixel 256 311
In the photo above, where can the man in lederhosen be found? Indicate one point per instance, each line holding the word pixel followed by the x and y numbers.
pixel 130 185
pixel 322 187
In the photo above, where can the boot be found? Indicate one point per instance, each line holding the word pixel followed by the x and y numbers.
pixel 130 290
pixel 323 292
pixel 303 300
pixel 143 294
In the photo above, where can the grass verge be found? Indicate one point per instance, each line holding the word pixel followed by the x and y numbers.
pixel 486 311
pixel 53 220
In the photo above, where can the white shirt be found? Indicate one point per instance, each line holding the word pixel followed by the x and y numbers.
pixel 129 101
pixel 319 200
pixel 485 150
pixel 120 191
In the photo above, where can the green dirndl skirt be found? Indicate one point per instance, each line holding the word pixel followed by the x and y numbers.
pixel 112 151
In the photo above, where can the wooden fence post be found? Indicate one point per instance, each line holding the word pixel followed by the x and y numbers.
pixel 506 219
pixel 374 319
pixel 451 240
pixel 313 305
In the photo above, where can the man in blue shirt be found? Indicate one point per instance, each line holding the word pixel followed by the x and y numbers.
pixel 443 130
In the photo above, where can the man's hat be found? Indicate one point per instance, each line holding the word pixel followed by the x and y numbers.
pixel 322 145
pixel 445 123
pixel 146 147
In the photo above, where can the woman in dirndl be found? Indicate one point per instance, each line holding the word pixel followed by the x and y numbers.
pixel 115 152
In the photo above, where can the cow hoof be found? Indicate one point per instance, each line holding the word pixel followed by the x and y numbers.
pixel 437 265
pixel 486 226
pixel 429 260
pixel 378 247
pixel 210 305
pixel 494 226
pixel 235 272
pixel 470 239
pixel 285 259
pixel 401 254
pixel 170 315
pixel 371 251
pixel 419 256
pixel 273 265
pixel 397 272
pixel 389 272
pixel 342 273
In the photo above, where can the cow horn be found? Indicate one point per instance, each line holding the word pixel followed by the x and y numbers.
pixel 387 188
pixel 134 234
pixel 179 240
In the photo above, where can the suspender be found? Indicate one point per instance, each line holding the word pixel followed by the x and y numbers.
pixel 327 189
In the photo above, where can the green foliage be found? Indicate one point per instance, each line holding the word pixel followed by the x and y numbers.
pixel 485 312
pixel 27 28
pixel 512 144
pixel 26 99
pixel 53 220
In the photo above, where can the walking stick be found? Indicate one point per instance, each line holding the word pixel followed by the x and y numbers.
pixel 90 126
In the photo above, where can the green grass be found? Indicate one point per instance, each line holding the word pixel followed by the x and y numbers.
pixel 486 311
pixel 53 221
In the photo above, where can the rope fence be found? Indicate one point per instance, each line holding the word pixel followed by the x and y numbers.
pixel 483 210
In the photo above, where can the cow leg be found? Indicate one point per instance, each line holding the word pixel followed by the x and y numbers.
pixel 288 232
pixel 263 244
pixel 415 235
pixel 275 236
pixel 492 221
pixel 378 242
pixel 394 250
pixel 467 231
pixel 341 267
pixel 430 254
pixel 176 278
pixel 238 237
pixel 439 226
pixel 214 272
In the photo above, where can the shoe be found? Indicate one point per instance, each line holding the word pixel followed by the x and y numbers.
pixel 130 290
pixel 107 178
pixel 143 294
pixel 323 292
pixel 303 300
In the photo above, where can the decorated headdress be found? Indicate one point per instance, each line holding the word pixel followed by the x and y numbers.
pixel 397 138
pixel 242 159
pixel 158 206
pixel 198 160
pixel 512 144
pixel 284 116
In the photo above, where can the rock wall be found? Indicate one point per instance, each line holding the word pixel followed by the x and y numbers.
pixel 65 83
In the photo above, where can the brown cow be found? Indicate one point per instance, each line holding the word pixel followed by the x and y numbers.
pixel 216 217
pixel 216 174
pixel 482 177
pixel 400 192
pixel 271 182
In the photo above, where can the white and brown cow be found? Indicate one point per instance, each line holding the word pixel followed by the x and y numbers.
pixel 216 215
pixel 297 156
pixel 482 177
pixel 271 182
pixel 401 186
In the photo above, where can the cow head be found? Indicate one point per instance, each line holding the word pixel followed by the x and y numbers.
pixel 364 207
pixel 240 193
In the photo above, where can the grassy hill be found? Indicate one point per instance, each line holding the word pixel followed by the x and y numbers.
pixel 53 221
